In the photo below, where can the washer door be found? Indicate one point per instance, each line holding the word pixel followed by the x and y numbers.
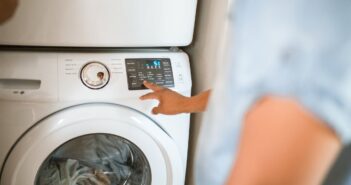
pixel 94 144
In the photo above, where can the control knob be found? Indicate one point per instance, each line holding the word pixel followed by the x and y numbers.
pixel 95 75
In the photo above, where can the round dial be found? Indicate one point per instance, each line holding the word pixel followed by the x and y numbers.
pixel 95 75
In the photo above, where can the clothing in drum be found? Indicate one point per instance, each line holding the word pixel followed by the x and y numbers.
pixel 95 159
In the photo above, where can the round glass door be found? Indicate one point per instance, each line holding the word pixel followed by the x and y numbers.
pixel 94 144
pixel 95 159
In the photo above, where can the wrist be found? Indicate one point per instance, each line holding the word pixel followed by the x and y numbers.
pixel 197 103
pixel 189 105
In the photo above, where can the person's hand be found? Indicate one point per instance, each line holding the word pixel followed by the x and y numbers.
pixel 7 9
pixel 170 102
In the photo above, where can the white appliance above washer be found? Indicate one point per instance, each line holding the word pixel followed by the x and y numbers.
pixel 101 23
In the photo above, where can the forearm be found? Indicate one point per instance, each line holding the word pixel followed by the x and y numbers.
pixel 281 143
pixel 197 103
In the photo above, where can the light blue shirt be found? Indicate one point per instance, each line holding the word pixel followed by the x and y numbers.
pixel 294 48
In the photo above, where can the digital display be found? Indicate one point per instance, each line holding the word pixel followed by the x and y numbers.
pixel 155 70
pixel 155 64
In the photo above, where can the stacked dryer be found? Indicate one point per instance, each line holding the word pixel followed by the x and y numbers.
pixel 71 74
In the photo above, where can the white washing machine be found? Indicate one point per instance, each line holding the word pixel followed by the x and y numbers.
pixel 75 118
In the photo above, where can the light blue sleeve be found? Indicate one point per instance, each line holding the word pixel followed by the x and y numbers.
pixel 300 49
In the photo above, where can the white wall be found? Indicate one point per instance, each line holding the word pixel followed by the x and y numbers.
pixel 206 54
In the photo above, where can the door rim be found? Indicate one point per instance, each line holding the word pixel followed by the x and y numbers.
pixel 118 120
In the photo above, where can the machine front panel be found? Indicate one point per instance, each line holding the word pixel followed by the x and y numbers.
pixel 71 76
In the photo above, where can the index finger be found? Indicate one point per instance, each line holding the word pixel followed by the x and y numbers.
pixel 152 86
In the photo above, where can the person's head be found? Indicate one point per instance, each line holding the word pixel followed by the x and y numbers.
pixel 7 9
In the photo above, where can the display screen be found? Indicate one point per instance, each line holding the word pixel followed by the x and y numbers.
pixel 155 70
pixel 153 64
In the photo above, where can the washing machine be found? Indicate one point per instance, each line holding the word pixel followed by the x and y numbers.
pixel 74 117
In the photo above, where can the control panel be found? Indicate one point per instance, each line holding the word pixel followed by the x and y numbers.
pixel 155 70
pixel 100 76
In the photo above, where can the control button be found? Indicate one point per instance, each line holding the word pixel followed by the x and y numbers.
pixel 95 75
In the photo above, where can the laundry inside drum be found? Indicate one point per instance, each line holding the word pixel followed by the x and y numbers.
pixel 96 159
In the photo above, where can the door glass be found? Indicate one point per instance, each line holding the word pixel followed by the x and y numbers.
pixel 97 159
